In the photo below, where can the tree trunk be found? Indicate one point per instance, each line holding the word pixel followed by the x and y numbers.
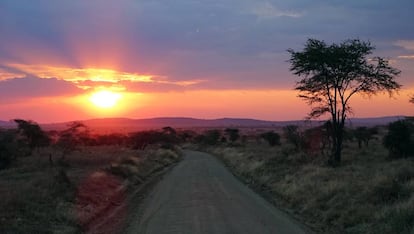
pixel 337 136
pixel 338 151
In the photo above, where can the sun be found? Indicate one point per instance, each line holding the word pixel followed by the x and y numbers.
pixel 105 99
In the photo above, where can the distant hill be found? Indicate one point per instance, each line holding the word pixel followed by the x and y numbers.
pixel 373 121
pixel 7 124
pixel 128 125
pixel 124 124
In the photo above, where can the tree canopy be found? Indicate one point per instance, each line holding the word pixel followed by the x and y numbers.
pixel 35 136
pixel 332 74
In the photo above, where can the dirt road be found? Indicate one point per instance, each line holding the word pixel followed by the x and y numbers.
pixel 201 196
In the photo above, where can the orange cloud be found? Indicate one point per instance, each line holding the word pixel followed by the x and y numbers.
pixel 80 74
pixel 406 57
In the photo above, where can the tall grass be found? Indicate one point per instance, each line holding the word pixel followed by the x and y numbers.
pixel 367 194
pixel 37 197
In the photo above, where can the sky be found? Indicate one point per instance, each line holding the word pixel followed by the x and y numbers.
pixel 192 58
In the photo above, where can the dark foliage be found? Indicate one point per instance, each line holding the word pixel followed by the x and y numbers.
pixel 209 137
pixel 332 74
pixel 109 139
pixel 140 140
pixel 70 139
pixel 317 140
pixel 271 137
pixel 33 134
pixel 169 130
pixel 186 135
pixel 20 142
pixel 232 133
pixel 364 135
pixel 399 139
pixel 292 135
pixel 9 148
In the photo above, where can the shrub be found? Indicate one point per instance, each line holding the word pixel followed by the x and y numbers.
pixel 8 148
pixel 271 137
pixel 140 140
pixel 34 135
pixel 233 134
pixel 399 140
pixel 292 135
pixel 210 137
pixel 364 135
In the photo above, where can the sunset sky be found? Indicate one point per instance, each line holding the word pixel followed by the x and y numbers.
pixel 192 58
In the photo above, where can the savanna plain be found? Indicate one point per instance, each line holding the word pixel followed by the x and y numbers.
pixel 76 181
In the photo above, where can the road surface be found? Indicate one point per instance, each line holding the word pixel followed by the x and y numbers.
pixel 201 196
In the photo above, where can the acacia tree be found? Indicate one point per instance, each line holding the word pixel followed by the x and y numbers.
pixel 332 74
pixel 34 135
pixel 70 138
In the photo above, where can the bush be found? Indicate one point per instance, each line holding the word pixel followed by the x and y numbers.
pixel 233 134
pixel 364 135
pixel 140 140
pixel 34 135
pixel 271 137
pixel 292 135
pixel 210 137
pixel 8 148
pixel 399 140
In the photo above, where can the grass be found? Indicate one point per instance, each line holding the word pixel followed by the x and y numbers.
pixel 367 194
pixel 37 197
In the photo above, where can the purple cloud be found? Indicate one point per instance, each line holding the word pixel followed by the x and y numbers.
pixel 30 87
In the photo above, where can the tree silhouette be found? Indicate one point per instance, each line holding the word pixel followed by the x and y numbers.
pixel 399 140
pixel 332 74
pixel 70 138
pixel 271 137
pixel 364 135
pixel 292 135
pixel 209 137
pixel 233 134
pixel 9 148
pixel 34 135
pixel 169 130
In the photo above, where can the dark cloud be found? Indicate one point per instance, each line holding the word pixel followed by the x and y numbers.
pixel 29 87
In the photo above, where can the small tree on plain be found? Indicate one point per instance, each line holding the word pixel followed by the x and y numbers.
pixel 399 140
pixel 271 137
pixel 292 135
pixel 70 138
pixel 332 74
pixel 34 135
pixel 9 148
pixel 233 134
pixel 212 137
pixel 169 130
pixel 364 135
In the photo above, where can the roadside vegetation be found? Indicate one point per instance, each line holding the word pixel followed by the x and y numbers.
pixel 67 181
pixel 371 192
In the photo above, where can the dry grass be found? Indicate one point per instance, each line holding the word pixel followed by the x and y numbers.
pixel 367 194
pixel 37 197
